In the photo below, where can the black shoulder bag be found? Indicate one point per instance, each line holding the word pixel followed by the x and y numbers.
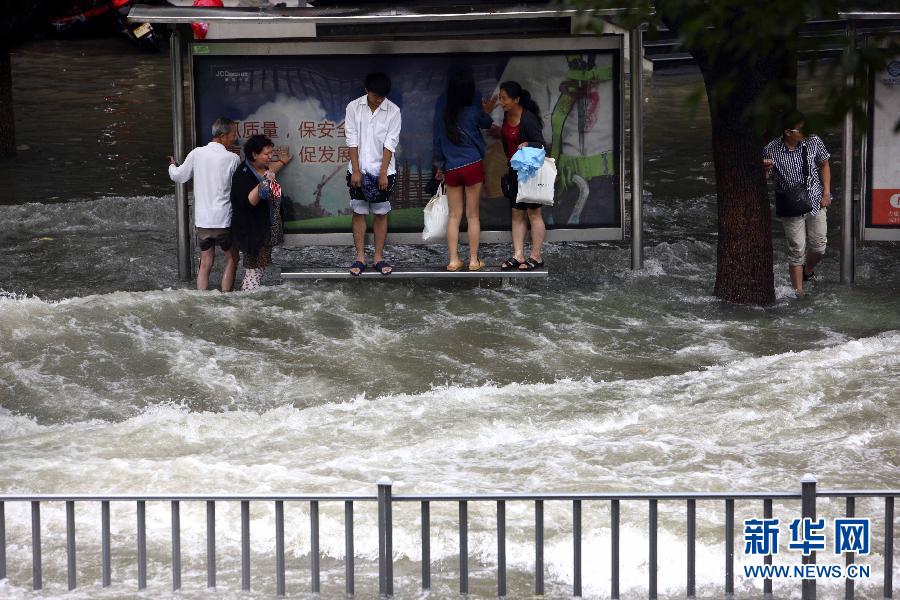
pixel 794 201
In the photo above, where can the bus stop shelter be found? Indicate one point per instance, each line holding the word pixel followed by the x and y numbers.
pixel 302 40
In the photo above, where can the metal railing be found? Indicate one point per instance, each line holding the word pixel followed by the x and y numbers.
pixel 386 500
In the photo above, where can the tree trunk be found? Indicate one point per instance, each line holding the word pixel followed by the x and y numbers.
pixel 7 122
pixel 744 260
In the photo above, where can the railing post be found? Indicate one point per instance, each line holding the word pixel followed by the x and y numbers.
pixel 385 541
pixel 211 544
pixel 652 570
pixel 850 558
pixel 142 544
pixel 501 548
pixel 889 547
pixel 105 549
pixel 767 582
pixel 348 547
pixel 691 547
pixel 176 546
pixel 614 549
pixel 2 541
pixel 426 545
pixel 808 511
pixel 245 545
pixel 538 547
pixel 314 565
pixel 576 548
pixel 70 543
pixel 36 571
pixel 279 548
pixel 729 547
pixel 463 547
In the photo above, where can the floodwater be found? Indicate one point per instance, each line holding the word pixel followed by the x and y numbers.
pixel 116 378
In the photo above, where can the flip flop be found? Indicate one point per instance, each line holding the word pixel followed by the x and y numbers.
pixel 381 265
pixel 357 265
pixel 477 267
pixel 530 264
pixel 457 266
pixel 511 264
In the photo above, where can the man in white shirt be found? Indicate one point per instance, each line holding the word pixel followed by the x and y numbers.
pixel 212 166
pixel 372 124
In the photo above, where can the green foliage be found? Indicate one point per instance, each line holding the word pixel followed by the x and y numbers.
pixel 738 36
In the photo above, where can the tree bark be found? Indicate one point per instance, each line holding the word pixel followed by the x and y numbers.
pixel 744 259
pixel 7 121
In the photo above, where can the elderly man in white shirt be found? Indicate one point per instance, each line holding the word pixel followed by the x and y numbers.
pixel 212 167
pixel 372 124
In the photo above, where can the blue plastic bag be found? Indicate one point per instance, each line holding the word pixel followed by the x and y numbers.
pixel 526 161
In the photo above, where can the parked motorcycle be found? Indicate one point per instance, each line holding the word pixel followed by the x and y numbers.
pixel 92 17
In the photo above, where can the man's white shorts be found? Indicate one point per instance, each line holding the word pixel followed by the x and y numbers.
pixel 362 207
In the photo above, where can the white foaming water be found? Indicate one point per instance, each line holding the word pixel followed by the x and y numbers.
pixel 599 380
pixel 662 433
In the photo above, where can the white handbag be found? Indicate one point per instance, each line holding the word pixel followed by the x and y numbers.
pixel 538 189
pixel 436 216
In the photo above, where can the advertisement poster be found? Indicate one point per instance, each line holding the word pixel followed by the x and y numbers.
pixel 883 205
pixel 299 101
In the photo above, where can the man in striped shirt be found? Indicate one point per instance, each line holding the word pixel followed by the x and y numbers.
pixel 807 234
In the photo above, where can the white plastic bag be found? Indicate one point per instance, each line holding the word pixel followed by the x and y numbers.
pixel 437 215
pixel 538 189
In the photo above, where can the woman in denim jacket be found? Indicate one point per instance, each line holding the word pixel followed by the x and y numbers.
pixel 459 157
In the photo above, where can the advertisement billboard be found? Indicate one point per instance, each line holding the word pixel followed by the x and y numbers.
pixel 882 201
pixel 296 93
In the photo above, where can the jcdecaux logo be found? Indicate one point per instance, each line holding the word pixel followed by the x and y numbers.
pixel 762 537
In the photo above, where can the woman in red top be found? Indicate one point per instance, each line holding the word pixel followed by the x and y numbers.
pixel 522 126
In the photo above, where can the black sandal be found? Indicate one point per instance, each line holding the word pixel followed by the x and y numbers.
pixel 511 264
pixel 531 264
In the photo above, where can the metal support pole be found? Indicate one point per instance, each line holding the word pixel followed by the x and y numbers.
pixel 182 211
pixel 637 148
pixel 848 274
pixel 385 541
pixel 808 511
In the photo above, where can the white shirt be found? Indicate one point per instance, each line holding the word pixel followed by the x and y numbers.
pixel 212 166
pixel 372 132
